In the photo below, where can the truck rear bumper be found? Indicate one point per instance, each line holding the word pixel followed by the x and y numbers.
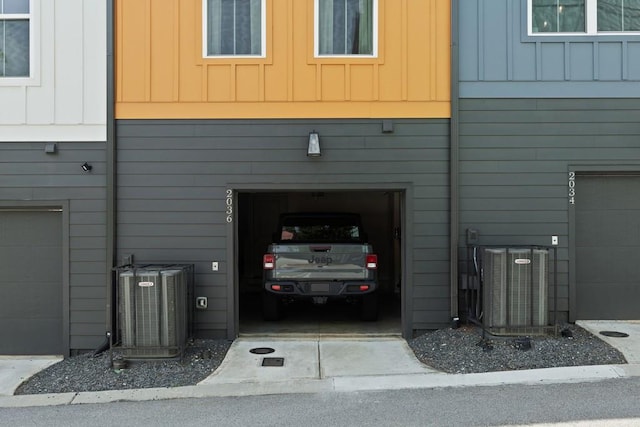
pixel 320 288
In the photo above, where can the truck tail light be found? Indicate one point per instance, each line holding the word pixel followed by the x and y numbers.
pixel 268 261
pixel 372 262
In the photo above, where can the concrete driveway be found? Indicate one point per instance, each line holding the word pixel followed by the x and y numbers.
pixel 15 369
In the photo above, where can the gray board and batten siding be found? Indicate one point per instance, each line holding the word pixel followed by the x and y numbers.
pixel 516 160
pixel 498 59
pixel 174 177
pixel 53 191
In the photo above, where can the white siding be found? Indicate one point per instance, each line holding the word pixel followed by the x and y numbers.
pixel 69 70
pixel 12 108
pixel 68 100
pixel 95 62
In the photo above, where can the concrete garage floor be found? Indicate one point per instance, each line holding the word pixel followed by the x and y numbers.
pixel 308 320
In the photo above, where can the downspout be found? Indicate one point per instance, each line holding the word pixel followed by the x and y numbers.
pixel 454 168
pixel 111 174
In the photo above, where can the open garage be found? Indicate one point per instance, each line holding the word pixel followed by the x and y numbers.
pixel 209 192
pixel 381 214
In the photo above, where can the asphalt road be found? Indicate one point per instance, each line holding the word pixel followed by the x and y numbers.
pixel 610 403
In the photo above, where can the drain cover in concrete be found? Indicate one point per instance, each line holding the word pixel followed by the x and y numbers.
pixel 273 361
pixel 614 334
pixel 261 350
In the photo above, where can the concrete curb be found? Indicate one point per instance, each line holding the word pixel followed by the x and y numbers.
pixel 335 384
pixel 532 376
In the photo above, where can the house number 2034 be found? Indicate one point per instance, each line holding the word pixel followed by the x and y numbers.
pixel 229 206
pixel 572 188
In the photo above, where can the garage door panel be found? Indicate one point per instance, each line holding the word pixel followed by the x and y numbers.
pixel 613 228
pixel 608 247
pixel 31 282
pixel 41 227
pixel 30 342
pixel 614 192
pixel 18 270
pixel 45 266
pixel 607 264
pixel 592 221
pixel 30 299
pixel 30 264
pixel 620 194
pixel 596 301
pixel 623 229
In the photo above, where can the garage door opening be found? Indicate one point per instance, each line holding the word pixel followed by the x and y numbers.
pixel 258 213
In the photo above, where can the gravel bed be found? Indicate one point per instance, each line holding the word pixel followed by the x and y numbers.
pixel 461 350
pixel 88 373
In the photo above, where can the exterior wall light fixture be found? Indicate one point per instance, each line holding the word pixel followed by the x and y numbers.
pixel 86 167
pixel 314 145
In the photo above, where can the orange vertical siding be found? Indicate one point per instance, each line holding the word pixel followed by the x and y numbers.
pixel 161 72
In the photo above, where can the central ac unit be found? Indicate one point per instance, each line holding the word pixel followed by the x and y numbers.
pixel 153 311
pixel 515 288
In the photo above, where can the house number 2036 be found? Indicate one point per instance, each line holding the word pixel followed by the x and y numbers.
pixel 572 188
pixel 229 206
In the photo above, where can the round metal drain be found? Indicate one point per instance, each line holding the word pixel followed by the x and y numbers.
pixel 261 350
pixel 614 334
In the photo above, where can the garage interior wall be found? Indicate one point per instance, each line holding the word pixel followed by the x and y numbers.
pixel 515 159
pixel 173 177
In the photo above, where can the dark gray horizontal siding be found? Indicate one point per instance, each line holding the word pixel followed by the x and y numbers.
pixel 276 130
pixel 515 158
pixel 88 267
pixel 281 176
pixel 71 180
pixel 87 218
pixel 173 176
pixel 27 174
pixel 512 192
pixel 86 254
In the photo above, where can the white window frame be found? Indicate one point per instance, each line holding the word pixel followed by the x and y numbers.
pixel 263 36
pixel 34 47
pixel 591 23
pixel 316 38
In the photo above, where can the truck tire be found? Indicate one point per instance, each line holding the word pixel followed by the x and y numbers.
pixel 369 308
pixel 271 306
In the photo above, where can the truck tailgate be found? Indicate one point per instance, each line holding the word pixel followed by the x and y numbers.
pixel 320 262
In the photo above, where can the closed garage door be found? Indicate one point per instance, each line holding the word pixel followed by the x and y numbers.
pixel 607 247
pixel 31 282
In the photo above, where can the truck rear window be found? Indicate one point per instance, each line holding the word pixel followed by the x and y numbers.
pixel 317 230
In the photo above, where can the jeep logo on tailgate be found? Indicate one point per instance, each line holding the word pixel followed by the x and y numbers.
pixel 320 260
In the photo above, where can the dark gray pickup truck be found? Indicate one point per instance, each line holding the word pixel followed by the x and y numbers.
pixel 320 257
